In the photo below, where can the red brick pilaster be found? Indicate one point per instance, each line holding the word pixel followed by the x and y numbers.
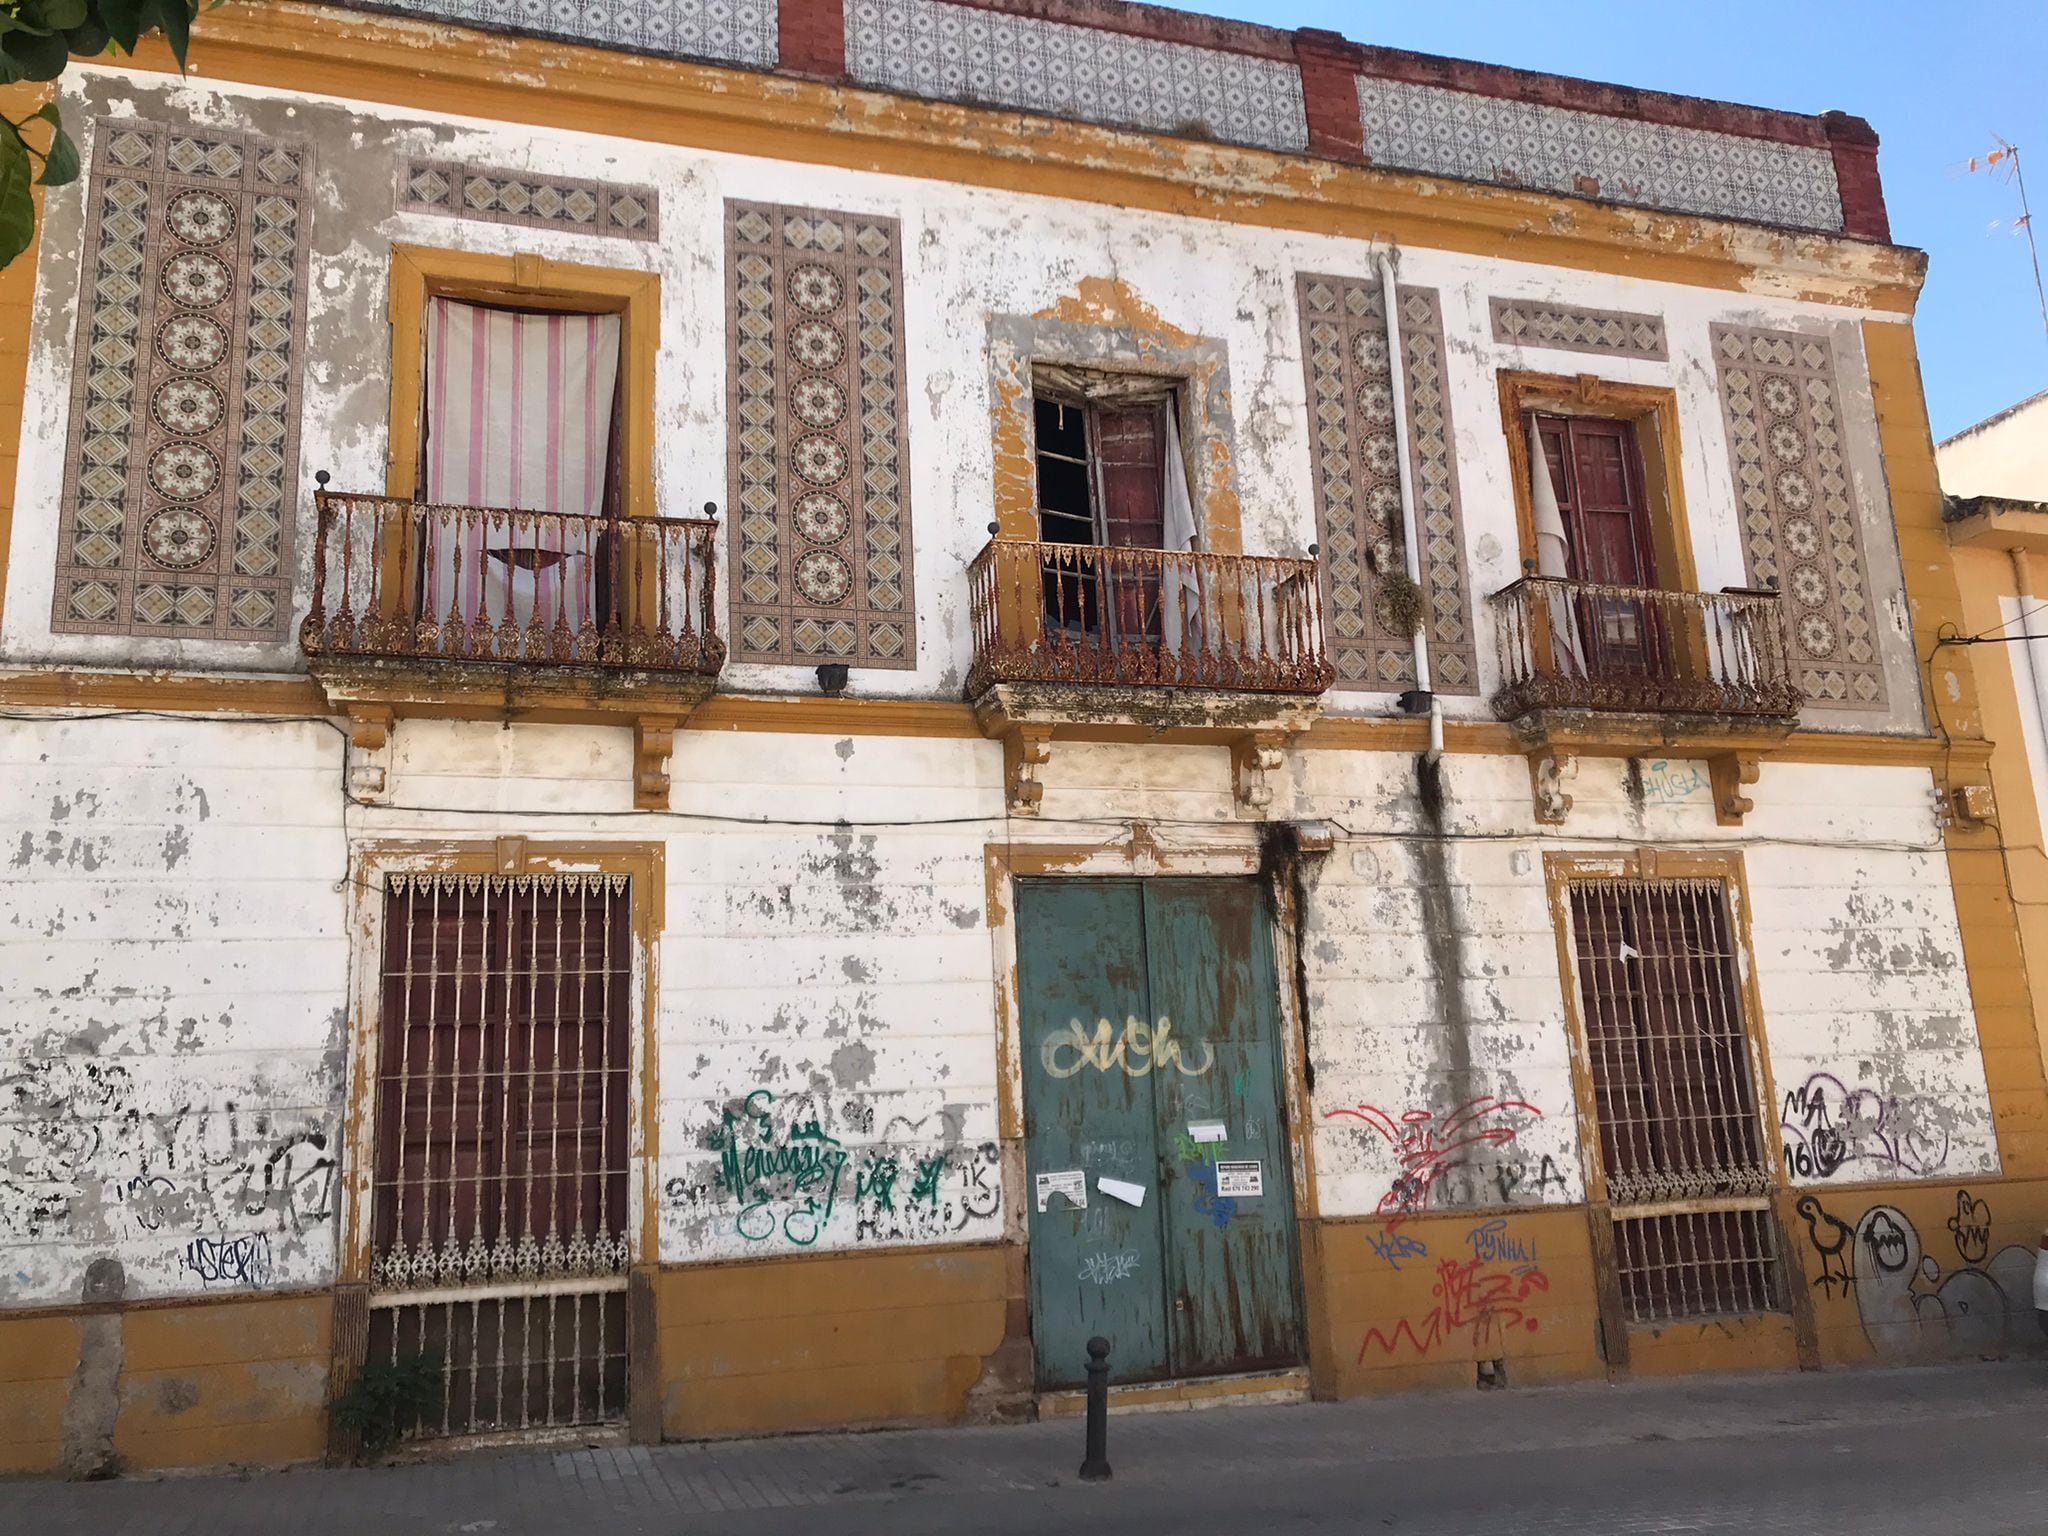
pixel 813 38
pixel 1854 143
pixel 1329 91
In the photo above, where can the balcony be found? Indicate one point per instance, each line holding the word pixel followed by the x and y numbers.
pixel 484 613
pixel 1078 637
pixel 1594 670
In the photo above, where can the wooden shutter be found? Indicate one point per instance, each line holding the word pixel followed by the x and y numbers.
pixel 1596 468
pixel 1130 462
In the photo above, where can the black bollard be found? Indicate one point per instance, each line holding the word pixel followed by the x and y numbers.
pixel 1095 1468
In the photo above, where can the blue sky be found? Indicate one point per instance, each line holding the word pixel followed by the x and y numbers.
pixel 1936 78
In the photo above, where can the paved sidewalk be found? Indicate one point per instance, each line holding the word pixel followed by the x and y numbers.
pixel 1932 1451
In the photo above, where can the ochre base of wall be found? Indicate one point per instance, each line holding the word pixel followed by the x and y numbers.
pixel 1888 1273
pixel 840 1340
pixel 1891 1273
pixel 198 1383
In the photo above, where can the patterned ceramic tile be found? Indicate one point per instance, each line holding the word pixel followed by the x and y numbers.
pixel 538 202
pixel 1690 170
pixel 1358 488
pixel 726 31
pixel 820 493
pixel 964 53
pixel 1782 405
pixel 183 455
pixel 1567 328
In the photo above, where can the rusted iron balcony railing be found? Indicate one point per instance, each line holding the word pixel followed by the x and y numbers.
pixel 1581 645
pixel 403 579
pixel 1149 618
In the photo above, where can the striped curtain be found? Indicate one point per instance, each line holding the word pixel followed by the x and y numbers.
pixel 519 418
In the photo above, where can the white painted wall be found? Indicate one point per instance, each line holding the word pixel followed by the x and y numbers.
pixel 2004 456
pixel 172 993
pixel 969 254
pixel 173 939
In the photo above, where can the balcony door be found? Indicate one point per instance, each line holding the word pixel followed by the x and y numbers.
pixel 1111 478
pixel 1596 470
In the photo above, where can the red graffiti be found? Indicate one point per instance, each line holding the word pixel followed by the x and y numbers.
pixel 1428 1144
pixel 1467 1296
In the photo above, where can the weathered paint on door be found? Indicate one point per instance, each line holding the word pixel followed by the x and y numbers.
pixel 1148 1013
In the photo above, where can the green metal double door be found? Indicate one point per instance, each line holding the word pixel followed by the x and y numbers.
pixel 1161 1209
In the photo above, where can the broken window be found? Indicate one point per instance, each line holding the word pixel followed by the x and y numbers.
pixel 1111 476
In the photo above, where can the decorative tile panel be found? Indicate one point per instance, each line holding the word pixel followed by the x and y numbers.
pixel 1568 328
pixel 1781 401
pixel 182 464
pixel 819 482
pixel 1447 132
pixel 990 58
pixel 1358 487
pixel 743 32
pixel 537 202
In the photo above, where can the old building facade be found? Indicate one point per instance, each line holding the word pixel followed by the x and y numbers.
pixel 733 718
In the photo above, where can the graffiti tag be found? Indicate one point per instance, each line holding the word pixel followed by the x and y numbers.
pixel 1469 1295
pixel 1135 1050
pixel 1829 1125
pixel 1427 1145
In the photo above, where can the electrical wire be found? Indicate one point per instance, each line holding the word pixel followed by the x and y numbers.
pixel 1121 824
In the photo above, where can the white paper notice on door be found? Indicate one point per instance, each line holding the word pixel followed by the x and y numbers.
pixel 1072 1184
pixel 1121 1189
pixel 1208 1130
pixel 1239 1180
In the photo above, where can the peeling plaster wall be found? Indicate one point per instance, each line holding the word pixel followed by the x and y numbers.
pixel 969 255
pixel 172 983
pixel 1872 1043
pixel 825 1028
pixel 825 1031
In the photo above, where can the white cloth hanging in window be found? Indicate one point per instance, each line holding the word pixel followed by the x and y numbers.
pixel 1553 558
pixel 519 418
pixel 1183 621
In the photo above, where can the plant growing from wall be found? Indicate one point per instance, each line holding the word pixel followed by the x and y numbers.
pixel 38 39
pixel 386 1398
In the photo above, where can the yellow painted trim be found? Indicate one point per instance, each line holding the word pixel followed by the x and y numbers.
pixel 1654 412
pixel 438 70
pixel 420 272
pixel 808 714
pixel 17 310
pixel 368 863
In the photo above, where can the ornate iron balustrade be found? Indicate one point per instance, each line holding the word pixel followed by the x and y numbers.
pixel 1583 645
pixel 410 580
pixel 1149 618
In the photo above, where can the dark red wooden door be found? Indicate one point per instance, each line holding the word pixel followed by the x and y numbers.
pixel 1596 469
pixel 1130 460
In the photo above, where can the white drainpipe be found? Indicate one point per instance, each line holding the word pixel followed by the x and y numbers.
pixel 2030 629
pixel 1411 544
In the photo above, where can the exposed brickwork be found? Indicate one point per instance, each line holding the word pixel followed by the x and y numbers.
pixel 1854 143
pixel 1329 94
pixel 813 38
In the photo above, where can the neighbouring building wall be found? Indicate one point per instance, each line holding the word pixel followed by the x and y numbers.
pixel 2005 455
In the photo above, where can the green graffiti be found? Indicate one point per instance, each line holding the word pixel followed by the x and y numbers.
pixel 926 1186
pixel 760 1169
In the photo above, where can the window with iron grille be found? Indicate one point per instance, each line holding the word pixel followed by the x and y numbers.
pixel 1681 1139
pixel 500 1203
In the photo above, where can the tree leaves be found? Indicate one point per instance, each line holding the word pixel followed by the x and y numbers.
pixel 37 39
pixel 60 160
pixel 17 203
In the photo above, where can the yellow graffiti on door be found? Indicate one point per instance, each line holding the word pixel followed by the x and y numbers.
pixel 1135 1050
